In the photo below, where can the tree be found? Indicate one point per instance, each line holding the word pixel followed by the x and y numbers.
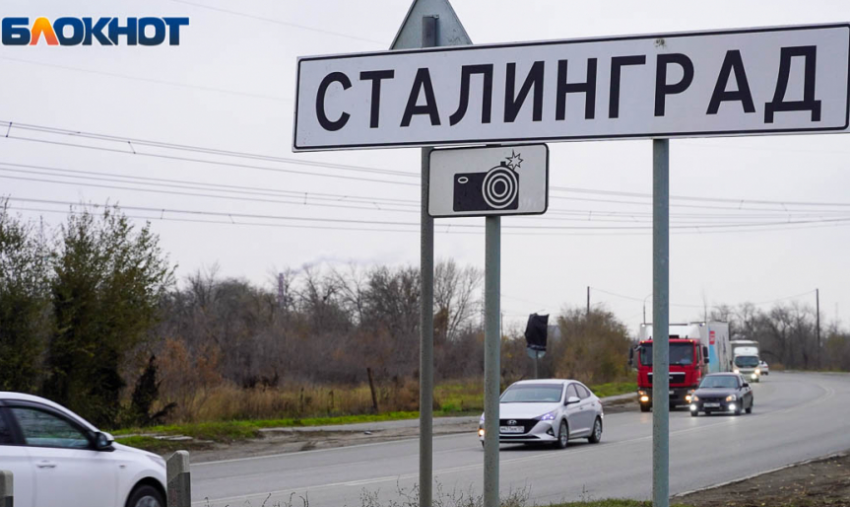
pixel 24 316
pixel 106 288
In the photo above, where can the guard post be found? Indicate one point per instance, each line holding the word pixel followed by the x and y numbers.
pixel 179 480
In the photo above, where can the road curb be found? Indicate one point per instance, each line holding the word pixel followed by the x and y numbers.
pixel 753 476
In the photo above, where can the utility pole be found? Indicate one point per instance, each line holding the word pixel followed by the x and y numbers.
pixel 817 320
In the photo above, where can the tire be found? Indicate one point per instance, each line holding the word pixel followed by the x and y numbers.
pixel 563 436
pixel 146 496
pixel 749 410
pixel 596 434
pixel 645 408
pixel 694 413
pixel 738 411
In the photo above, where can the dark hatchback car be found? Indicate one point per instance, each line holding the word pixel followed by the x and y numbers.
pixel 722 393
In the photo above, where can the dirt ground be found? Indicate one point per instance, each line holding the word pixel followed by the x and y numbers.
pixel 821 483
pixel 283 440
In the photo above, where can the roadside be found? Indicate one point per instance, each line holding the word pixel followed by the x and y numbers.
pixel 823 482
pixel 236 439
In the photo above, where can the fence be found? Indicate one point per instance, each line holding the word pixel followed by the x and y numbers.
pixel 179 487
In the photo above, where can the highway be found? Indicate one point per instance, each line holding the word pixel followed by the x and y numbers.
pixel 796 417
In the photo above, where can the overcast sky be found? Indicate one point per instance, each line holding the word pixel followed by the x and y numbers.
pixel 230 86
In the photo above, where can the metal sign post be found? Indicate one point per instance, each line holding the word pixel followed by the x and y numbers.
pixel 492 352
pixel 422 28
pixel 660 322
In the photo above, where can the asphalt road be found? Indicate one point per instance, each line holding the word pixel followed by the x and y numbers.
pixel 796 417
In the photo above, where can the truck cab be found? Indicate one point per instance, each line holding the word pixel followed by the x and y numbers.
pixel 688 364
pixel 746 359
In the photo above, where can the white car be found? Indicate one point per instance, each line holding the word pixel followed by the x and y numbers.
pixel 60 460
pixel 547 411
pixel 765 369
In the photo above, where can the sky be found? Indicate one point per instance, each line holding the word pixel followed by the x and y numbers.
pixel 230 86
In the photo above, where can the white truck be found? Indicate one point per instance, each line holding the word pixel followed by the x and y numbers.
pixel 745 359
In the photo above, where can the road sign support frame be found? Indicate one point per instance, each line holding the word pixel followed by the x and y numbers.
pixel 492 352
pixel 660 323
pixel 430 25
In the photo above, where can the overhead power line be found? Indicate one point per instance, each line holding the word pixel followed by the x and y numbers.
pixel 364 203
pixel 642 300
pixel 280 22
pixel 128 147
pixel 463 226
pixel 286 100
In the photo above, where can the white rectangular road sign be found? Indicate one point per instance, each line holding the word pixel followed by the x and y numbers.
pixel 735 82
pixel 474 182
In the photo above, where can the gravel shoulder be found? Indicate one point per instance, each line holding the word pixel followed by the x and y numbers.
pixel 823 482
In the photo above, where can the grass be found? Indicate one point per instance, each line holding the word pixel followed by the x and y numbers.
pixel 610 503
pixel 614 389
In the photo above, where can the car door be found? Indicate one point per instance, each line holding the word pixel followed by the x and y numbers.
pixel 66 469
pixel 588 409
pixel 15 458
pixel 574 413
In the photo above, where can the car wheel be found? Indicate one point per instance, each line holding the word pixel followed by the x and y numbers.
pixel 563 436
pixel 596 436
pixel 146 496
pixel 645 408
pixel 738 410
pixel 694 413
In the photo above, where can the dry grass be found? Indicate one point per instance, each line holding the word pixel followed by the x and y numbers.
pixel 228 402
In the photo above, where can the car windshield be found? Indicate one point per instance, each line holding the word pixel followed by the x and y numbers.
pixel 746 361
pixel 681 354
pixel 719 382
pixel 532 393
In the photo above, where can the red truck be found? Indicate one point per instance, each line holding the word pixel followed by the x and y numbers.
pixel 688 364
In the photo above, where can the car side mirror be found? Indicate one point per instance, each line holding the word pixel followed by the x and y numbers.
pixel 572 400
pixel 705 354
pixel 103 441
pixel 746 384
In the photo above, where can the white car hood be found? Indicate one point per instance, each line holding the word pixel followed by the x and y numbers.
pixel 525 410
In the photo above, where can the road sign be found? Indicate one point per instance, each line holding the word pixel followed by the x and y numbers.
pixel 535 354
pixel 723 83
pixel 509 180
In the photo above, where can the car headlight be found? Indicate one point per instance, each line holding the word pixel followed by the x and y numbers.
pixel 758 371
pixel 736 370
pixel 548 416
pixel 481 432
pixel 732 397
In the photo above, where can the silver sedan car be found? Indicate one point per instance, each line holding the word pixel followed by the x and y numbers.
pixel 548 411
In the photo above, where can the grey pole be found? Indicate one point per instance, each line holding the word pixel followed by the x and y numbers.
pixel 817 306
pixel 7 489
pixel 179 480
pixel 492 350
pixel 660 323
pixel 426 322
pixel 536 358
